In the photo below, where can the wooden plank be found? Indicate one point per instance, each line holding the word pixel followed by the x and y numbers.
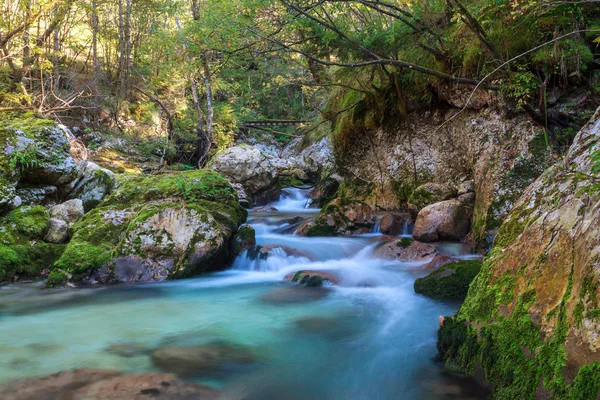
pixel 272 123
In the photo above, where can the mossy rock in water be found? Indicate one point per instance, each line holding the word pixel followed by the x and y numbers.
pixel 450 281
pixel 342 217
pixel 22 250
pixel 156 227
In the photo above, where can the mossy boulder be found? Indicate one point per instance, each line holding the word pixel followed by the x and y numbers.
pixel 156 227
pixel 341 217
pixel 429 193
pixel 23 253
pixel 95 184
pixel 244 239
pixel 36 151
pixel 530 321
pixel 451 281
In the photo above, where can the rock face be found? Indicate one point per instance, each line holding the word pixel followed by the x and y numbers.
pixel 447 220
pixel 156 227
pixel 501 153
pixel 252 168
pixel 450 281
pixel 341 217
pixel 530 320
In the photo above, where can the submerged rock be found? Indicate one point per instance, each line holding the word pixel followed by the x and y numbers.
pixel 126 349
pixel 150 385
pixel 450 281
pixel 295 294
pixel 203 359
pixel 156 227
pixel 447 220
pixel 312 278
pixel 404 249
pixel 56 386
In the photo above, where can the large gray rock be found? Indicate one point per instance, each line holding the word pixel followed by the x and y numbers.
pixel 58 232
pixel 446 220
pixel 37 194
pixel 95 184
pixel 70 211
pixel 252 168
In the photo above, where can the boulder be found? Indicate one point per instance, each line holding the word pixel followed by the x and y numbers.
pixel 200 360
pixel 55 386
pixel 9 199
pixel 429 193
pixel 58 232
pixel 341 217
pixel 250 167
pixel 447 220
pixel 405 250
pixel 150 385
pixel 393 224
pixel 156 227
pixel 37 194
pixel 244 239
pixel 295 294
pixel 70 211
pixel 312 278
pixel 242 196
pixel 324 192
pixel 267 250
pixel 450 281
pixel 95 184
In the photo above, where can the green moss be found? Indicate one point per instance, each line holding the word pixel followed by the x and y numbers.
pixel 57 278
pixel 512 227
pixel 32 222
pixel 9 262
pixel 404 243
pixel 457 344
pixel 246 232
pixel 321 230
pixel 450 281
pixel 297 276
pixel 586 385
pixel 315 281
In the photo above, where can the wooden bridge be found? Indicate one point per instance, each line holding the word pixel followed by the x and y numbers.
pixel 249 124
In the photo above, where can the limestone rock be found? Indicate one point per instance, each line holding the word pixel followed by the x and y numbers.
pixel 150 385
pixel 540 281
pixel 305 277
pixel 202 359
pixel 156 227
pixel 70 211
pixel 54 386
pixel 447 220
pixel 406 250
pixel 251 168
pixel 95 184
pixel 37 194
pixel 58 232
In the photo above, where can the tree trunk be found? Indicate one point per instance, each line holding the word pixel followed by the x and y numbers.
pixel 95 39
pixel 121 50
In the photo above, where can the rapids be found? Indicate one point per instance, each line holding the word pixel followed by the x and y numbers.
pixel 371 338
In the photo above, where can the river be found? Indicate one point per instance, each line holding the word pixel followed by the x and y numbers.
pixel 371 337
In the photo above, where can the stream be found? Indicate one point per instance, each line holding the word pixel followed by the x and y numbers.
pixel 370 337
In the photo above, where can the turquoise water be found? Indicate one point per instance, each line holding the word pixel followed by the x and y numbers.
pixel 371 337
